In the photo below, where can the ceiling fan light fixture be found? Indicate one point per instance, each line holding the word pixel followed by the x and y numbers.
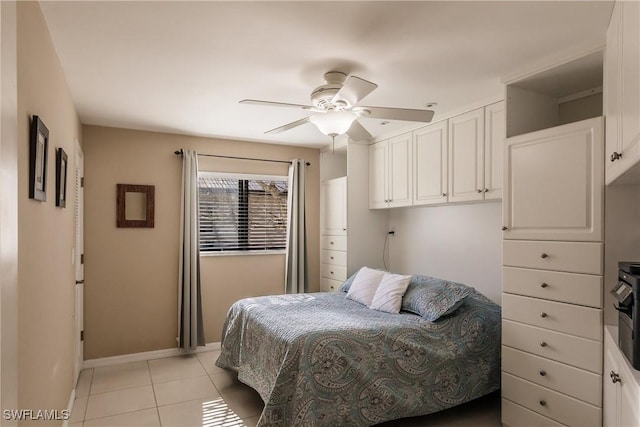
pixel 334 123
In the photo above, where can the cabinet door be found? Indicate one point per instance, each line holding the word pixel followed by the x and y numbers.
pixel 378 175
pixel 494 136
pixel 630 93
pixel 554 183
pixel 466 156
pixel 334 206
pixel 612 92
pixel 400 171
pixel 610 390
pixel 430 164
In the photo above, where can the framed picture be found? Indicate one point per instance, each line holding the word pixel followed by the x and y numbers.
pixel 61 178
pixel 135 205
pixel 38 144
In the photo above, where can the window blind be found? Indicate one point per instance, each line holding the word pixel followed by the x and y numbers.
pixel 242 212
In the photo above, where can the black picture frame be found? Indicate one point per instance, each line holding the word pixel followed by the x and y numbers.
pixel 38 150
pixel 61 178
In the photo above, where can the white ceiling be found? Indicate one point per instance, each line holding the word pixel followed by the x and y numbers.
pixel 182 67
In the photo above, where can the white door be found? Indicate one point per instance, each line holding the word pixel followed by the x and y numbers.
pixel 466 156
pixel 378 175
pixel 430 164
pixel 494 136
pixel 612 94
pixel 554 183
pixel 79 258
pixel 334 195
pixel 400 171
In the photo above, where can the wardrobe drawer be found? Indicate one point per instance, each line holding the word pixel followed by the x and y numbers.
pixel 333 257
pixel 585 322
pixel 336 243
pixel 334 272
pixel 575 288
pixel 575 257
pixel 514 415
pixel 575 351
pixel 557 376
pixel 549 403
pixel 329 285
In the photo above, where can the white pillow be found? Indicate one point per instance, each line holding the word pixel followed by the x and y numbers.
pixel 388 296
pixel 364 285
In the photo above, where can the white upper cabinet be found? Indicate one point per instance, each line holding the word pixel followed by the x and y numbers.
pixel 430 164
pixel 400 171
pixel 622 84
pixel 553 186
pixel 494 131
pixel 466 156
pixel 378 175
pixel 390 173
pixel 334 204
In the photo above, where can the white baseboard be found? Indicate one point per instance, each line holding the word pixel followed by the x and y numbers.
pixel 147 355
pixel 72 400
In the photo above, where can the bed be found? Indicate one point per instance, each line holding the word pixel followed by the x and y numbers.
pixel 321 359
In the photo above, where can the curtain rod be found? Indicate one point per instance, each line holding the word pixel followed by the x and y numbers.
pixel 179 153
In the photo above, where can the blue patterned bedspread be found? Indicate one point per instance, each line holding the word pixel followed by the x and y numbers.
pixel 323 360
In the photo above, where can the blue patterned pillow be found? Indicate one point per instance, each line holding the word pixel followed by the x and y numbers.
pixel 433 298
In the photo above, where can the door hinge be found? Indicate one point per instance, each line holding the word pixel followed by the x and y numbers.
pixel 82 259
pixel 82 181
pixel 81 335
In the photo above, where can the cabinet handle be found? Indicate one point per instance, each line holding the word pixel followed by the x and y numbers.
pixel 615 156
pixel 615 378
pixel 486 190
pixel 543 314
pixel 444 194
pixel 331 243
pixel 543 255
pixel 331 272
pixel 344 229
pixel 478 191
pixel 330 257
pixel 543 403
pixel 543 285
pixel 505 228
pixel 543 344
pixel 543 373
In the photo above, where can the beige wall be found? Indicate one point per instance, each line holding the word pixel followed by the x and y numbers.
pixel 131 274
pixel 45 233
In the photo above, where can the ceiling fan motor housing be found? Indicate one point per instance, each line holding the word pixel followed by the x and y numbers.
pixel 322 96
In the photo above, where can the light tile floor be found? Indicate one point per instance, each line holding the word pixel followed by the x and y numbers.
pixel 190 390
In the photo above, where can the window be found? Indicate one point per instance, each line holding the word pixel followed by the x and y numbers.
pixel 242 212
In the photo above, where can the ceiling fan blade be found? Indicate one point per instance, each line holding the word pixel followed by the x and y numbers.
pixel 288 126
pixel 388 113
pixel 353 90
pixel 276 104
pixel 357 132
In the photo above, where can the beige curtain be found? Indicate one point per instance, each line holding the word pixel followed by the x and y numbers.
pixel 190 324
pixel 297 274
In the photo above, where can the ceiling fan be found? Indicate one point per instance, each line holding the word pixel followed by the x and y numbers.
pixel 336 110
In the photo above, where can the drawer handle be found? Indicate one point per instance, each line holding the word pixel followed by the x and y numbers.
pixel 543 285
pixel 615 156
pixel 331 272
pixel 478 191
pixel 543 373
pixel 543 344
pixel 504 228
pixel 543 255
pixel 331 257
pixel 615 378
pixel 543 403
pixel 543 315
pixel 331 243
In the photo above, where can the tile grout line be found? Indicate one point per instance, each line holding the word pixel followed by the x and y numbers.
pixel 155 397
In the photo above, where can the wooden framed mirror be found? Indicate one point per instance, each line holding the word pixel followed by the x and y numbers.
pixel 135 205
